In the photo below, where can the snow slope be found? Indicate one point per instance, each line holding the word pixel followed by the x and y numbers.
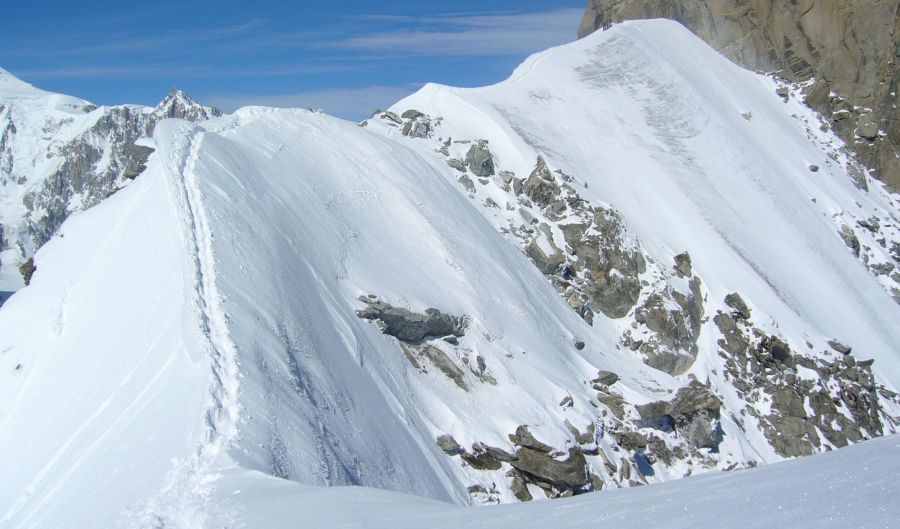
pixel 697 155
pixel 345 407
pixel 217 300
pixel 195 336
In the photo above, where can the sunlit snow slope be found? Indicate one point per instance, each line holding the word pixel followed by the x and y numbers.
pixel 195 336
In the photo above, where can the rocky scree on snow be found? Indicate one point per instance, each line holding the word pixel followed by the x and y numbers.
pixel 815 403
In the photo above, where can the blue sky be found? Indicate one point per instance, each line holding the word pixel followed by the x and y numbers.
pixel 346 57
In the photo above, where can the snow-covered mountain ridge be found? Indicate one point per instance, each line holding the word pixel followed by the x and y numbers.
pixel 60 154
pixel 605 272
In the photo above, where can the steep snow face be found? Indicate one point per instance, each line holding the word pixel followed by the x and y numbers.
pixel 308 214
pixel 60 155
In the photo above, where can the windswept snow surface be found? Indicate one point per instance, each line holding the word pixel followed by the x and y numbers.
pixel 194 337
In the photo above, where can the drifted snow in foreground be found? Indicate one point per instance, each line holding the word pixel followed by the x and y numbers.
pixel 853 487
pixel 194 337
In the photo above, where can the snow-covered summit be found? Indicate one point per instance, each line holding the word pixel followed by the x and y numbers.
pixel 605 272
pixel 15 90
pixel 11 85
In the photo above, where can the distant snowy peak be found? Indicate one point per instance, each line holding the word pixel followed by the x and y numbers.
pixel 179 105
pixel 15 90
pixel 10 85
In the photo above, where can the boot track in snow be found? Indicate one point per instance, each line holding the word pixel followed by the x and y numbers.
pixel 183 501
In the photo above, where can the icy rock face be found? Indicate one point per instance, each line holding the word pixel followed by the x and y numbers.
pixel 56 160
pixel 92 166
pixel 847 48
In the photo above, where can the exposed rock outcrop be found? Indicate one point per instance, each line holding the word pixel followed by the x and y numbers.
pixel 848 47
pixel 480 160
pixel 535 463
pixel 693 414
pixel 569 474
pixel 671 345
pixel 414 330
pixel 408 326
pixel 449 445
pixel 609 265
pixel 27 270
pixel 416 124
pixel 540 186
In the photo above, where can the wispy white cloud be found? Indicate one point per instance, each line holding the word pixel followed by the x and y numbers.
pixel 347 103
pixel 118 42
pixel 182 71
pixel 467 35
pixel 493 34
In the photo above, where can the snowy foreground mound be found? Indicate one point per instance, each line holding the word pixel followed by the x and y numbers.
pixel 849 488
pixel 614 269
